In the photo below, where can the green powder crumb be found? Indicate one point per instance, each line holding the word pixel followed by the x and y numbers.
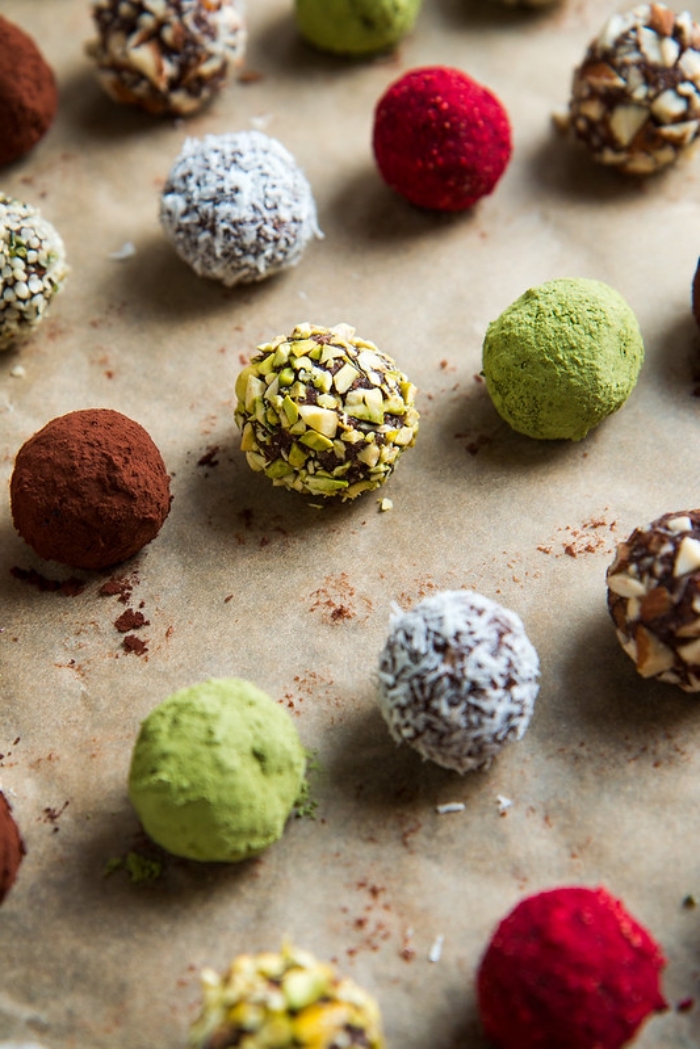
pixel 139 868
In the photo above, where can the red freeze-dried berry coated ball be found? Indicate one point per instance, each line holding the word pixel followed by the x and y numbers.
pixel 440 139
pixel 568 969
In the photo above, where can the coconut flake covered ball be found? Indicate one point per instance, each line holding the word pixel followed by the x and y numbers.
pixel 635 99
pixel 440 139
pixel 568 969
pixel 166 56
pixel 237 208
pixel 458 679
pixel 32 268
pixel 325 413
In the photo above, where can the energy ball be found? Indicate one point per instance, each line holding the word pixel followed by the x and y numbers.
pixel 237 208
pixel 216 771
pixel 166 56
pixel 324 413
pixel 561 358
pixel 635 98
pixel 28 93
pixel 32 268
pixel 440 139
pixel 89 489
pixel 355 27
pixel 458 679
pixel 654 598
pixel 11 848
pixel 568 969
pixel 287 1000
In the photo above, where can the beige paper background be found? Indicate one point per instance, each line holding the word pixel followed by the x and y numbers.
pixel 606 784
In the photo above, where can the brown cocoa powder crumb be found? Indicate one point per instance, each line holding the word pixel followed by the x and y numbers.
pixel 130 620
pixel 134 644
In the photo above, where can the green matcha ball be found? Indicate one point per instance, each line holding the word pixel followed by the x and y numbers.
pixel 355 27
pixel 562 357
pixel 216 770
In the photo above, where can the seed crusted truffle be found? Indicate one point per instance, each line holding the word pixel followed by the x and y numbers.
pixel 237 208
pixel 635 99
pixel 568 969
pixel 166 56
pixel 32 268
pixel 324 412
pixel 286 1000
pixel 90 489
pixel 458 678
pixel 11 848
pixel 654 598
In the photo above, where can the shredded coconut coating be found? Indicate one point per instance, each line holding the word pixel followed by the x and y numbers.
pixel 32 268
pixel 237 208
pixel 458 679
pixel 166 56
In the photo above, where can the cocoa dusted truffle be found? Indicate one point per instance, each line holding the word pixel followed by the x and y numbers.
pixel 636 96
pixel 89 489
pixel 654 598
pixel 568 969
pixel 28 93
pixel 166 56
pixel 458 679
pixel 237 208
pixel 11 848
pixel 324 412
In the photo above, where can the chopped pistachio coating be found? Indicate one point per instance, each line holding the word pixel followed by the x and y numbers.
pixel 284 1001
pixel 325 413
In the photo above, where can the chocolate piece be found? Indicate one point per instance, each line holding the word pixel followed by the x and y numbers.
pixel 636 96
pixel 166 56
pixel 654 598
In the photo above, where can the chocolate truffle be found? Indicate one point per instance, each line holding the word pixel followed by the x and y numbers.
pixel 11 848
pixel 635 99
pixel 89 489
pixel 28 93
pixel 32 268
pixel 458 679
pixel 166 56
pixel 654 598
pixel 287 1000
pixel 325 413
pixel 237 208
pixel 440 139
pixel 568 969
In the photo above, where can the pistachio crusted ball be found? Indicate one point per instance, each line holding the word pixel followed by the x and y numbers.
pixel 32 268
pixel 284 1001
pixel 654 598
pixel 636 96
pixel 166 56
pixel 324 412
pixel 458 678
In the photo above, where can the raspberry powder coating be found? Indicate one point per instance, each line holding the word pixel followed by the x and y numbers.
pixel 568 969
pixel 440 139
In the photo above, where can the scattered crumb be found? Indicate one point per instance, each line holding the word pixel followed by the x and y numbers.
pixel 134 644
pixel 690 902
pixel 685 1005
pixel 261 122
pixel 450 806
pixel 130 620
pixel 561 120
pixel 126 251
pixel 209 457
pixel 18 372
pixel 384 505
pixel 503 804
pixel 138 867
pixel 250 76
pixel 435 952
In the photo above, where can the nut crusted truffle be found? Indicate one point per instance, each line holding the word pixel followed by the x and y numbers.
pixel 237 208
pixel 324 412
pixel 89 489
pixel 636 96
pixel 286 1001
pixel 568 969
pixel 166 56
pixel 32 268
pixel 654 598
pixel 458 679
pixel 11 848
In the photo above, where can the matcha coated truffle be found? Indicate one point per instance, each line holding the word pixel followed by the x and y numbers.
pixel 284 1001
pixel 562 357
pixel 216 770
pixel 355 27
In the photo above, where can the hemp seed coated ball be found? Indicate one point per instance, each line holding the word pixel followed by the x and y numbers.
pixel 458 678
pixel 654 598
pixel 32 268
pixel 287 1000
pixel 237 208
pixel 166 56
pixel 636 96
pixel 324 413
